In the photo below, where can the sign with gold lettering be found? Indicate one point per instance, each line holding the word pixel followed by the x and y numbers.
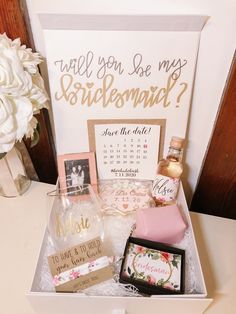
pixel 119 67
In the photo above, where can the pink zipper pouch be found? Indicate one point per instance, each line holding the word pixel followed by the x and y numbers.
pixel 161 224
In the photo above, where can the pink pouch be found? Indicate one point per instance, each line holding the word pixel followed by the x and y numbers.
pixel 160 224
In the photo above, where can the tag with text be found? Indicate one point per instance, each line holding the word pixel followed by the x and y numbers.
pixel 165 188
pixel 79 267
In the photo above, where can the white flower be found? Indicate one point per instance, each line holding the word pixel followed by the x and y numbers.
pixel 23 114
pixel 31 126
pixel 30 60
pixel 7 125
pixel 22 92
pixel 14 80
pixel 15 121
pixel 37 94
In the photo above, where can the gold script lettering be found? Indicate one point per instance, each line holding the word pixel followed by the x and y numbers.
pixel 71 226
pixel 88 94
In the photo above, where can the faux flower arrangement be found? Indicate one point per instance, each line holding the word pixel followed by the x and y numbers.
pixel 22 93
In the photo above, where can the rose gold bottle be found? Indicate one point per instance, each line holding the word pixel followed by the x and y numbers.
pixel 169 170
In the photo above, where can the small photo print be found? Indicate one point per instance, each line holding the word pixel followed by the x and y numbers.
pixel 76 171
pixel 77 174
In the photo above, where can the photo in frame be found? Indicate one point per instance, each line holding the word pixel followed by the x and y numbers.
pixel 153 267
pixel 127 148
pixel 77 170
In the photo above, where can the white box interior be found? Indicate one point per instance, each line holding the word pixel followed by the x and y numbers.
pixel 59 303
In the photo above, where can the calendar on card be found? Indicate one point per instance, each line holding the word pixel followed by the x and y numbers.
pixel 126 148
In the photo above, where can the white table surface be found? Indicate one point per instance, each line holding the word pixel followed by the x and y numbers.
pixel 22 225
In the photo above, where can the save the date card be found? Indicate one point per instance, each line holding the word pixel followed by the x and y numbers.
pixel 126 149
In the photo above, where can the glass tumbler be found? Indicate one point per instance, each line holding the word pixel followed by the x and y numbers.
pixel 75 216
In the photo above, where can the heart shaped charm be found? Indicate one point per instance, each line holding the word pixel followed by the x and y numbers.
pixel 153 88
pixel 89 85
pixel 125 206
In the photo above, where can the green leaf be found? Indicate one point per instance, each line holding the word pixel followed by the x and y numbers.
pixel 35 139
pixel 160 282
pixel 155 256
pixel 2 155
pixel 175 264
pixel 38 127
pixel 177 257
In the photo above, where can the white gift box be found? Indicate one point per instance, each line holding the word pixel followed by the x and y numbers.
pixel 63 303
pixel 72 36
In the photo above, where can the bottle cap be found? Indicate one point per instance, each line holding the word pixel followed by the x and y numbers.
pixel 176 142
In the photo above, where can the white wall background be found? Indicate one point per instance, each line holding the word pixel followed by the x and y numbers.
pixel 217 46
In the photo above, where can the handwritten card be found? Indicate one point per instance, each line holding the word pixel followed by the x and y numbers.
pixel 126 149
pixel 119 67
pixel 121 197
pixel 79 267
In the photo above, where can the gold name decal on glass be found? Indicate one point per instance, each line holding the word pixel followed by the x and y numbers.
pixel 74 92
pixel 71 226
